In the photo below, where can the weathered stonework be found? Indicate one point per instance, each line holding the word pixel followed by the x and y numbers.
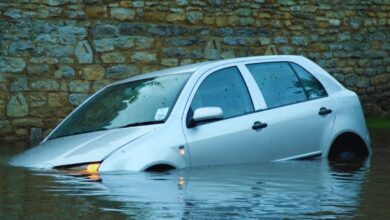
pixel 55 53
pixel 17 106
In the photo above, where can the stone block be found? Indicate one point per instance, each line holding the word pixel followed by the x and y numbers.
pixel 58 2
pixel 299 40
pixel 181 41
pixel 105 31
pixel 35 136
pixel 175 17
pixel 17 106
pixel 11 65
pixel 58 51
pixel 113 57
pixel 143 42
pixel 236 41
pixel 84 52
pixel 45 85
pixel 37 99
pixel 57 100
pixel 182 2
pixel 76 14
pixel 243 12
pixel 5 127
pixel 42 60
pixel 286 2
pixel 93 72
pixel 209 20
pixel 19 85
pixel 264 40
pixel 363 82
pixel 144 57
pixel 221 21
pixel 194 17
pixel 334 22
pixel 71 30
pixel 109 44
pixel 246 21
pixel 212 54
pixel 169 62
pixel 216 3
pixel 27 122
pixel 96 11
pixel 228 55
pixel 186 61
pixel 120 72
pixel 37 69
pixel 122 14
pixel 350 80
pixel 20 47
pixel 174 52
pixel 65 72
pixel 280 40
pixel 78 86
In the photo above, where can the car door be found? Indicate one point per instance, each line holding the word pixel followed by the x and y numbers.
pixel 299 113
pixel 231 140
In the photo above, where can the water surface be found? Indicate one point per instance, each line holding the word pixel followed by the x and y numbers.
pixel 294 189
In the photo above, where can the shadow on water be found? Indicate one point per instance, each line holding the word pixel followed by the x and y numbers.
pixel 294 189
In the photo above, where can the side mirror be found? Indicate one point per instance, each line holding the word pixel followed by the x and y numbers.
pixel 206 114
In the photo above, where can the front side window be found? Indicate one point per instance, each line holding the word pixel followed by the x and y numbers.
pixel 278 83
pixel 141 102
pixel 225 89
pixel 312 86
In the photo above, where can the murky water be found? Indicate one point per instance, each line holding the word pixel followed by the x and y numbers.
pixel 294 189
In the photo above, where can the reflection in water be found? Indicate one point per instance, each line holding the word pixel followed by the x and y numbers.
pixel 294 189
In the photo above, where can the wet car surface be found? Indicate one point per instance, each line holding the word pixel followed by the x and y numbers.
pixel 228 112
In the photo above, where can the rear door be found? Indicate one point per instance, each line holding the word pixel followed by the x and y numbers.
pixel 299 114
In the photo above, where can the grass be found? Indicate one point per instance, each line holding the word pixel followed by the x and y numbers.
pixel 378 122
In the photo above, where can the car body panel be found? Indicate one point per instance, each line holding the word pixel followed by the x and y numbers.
pixel 158 147
pixel 82 148
pixel 350 118
pixel 298 130
pixel 230 141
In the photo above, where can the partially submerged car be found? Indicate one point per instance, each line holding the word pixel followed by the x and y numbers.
pixel 236 111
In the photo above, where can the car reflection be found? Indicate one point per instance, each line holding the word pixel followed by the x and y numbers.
pixel 293 189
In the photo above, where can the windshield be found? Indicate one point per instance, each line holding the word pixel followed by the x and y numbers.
pixel 141 102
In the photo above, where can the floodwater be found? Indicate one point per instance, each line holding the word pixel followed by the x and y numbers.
pixel 296 190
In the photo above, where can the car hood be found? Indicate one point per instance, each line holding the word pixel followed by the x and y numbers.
pixel 81 148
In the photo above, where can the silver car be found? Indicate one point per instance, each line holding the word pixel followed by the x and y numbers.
pixel 237 111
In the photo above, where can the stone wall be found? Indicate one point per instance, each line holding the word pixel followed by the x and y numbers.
pixel 55 53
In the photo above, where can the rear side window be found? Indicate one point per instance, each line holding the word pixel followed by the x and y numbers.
pixel 312 86
pixel 278 83
pixel 225 89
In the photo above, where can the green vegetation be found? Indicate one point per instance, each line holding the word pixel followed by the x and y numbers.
pixel 378 122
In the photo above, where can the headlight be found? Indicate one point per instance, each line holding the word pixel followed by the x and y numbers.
pixel 87 168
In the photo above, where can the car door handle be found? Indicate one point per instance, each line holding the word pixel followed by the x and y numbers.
pixel 258 125
pixel 324 111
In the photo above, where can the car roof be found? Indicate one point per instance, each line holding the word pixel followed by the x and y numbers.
pixel 207 64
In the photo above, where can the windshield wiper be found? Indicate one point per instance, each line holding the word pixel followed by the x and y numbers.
pixel 142 123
